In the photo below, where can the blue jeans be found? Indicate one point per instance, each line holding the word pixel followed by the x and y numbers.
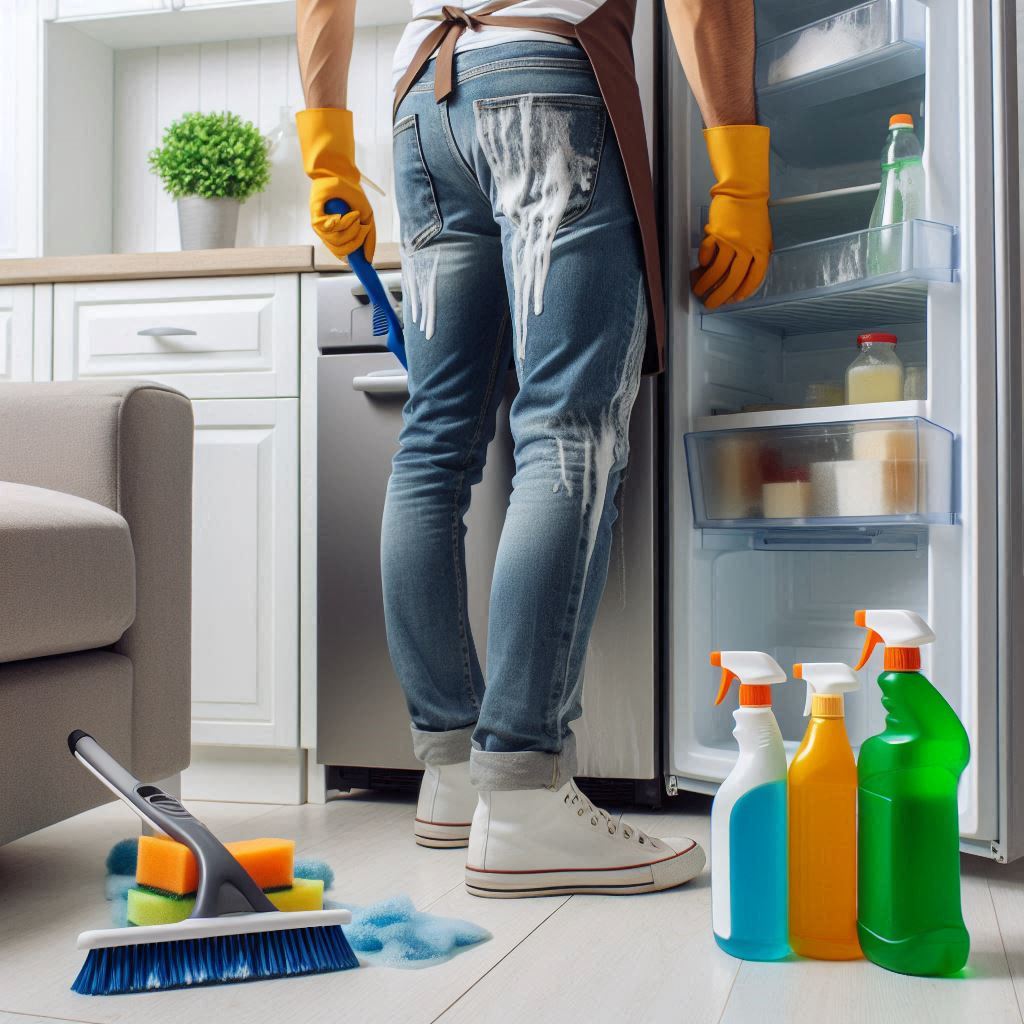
pixel 520 246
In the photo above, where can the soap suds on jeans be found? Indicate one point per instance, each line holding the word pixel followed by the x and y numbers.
pixel 528 147
pixel 419 288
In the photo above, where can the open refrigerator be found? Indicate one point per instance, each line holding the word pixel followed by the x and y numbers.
pixel 910 504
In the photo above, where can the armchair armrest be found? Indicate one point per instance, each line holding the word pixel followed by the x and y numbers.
pixel 126 445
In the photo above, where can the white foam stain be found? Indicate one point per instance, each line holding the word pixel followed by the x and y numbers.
pixel 419 287
pixel 534 166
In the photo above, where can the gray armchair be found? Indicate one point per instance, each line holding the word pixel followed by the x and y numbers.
pixel 95 589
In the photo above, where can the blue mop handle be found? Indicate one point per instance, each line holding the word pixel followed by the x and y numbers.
pixel 370 280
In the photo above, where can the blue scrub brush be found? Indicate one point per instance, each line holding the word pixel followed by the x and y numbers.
pixel 385 319
pixel 234 934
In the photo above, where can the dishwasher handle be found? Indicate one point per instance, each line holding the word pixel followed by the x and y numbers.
pixel 382 382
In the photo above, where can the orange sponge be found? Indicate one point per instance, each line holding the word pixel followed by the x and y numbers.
pixel 169 865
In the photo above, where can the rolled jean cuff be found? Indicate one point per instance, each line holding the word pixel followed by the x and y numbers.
pixel 525 769
pixel 438 748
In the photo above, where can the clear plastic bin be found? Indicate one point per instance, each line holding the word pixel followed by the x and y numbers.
pixel 858 473
pixel 857 50
pixel 859 280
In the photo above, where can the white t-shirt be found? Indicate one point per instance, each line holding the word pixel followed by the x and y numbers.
pixel 416 31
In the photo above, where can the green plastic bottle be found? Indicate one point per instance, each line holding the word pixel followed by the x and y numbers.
pixel 908 844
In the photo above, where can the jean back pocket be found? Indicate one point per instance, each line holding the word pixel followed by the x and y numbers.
pixel 543 151
pixel 418 213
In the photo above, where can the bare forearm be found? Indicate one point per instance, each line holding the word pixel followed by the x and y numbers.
pixel 324 34
pixel 715 40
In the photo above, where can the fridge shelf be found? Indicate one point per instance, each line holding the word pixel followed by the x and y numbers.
pixel 857 50
pixel 823 414
pixel 854 473
pixel 863 279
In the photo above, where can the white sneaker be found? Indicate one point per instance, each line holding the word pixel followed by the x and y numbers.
pixel 539 842
pixel 446 805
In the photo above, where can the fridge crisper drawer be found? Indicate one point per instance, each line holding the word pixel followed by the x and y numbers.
pixel 864 472
pixel 858 50
pixel 859 280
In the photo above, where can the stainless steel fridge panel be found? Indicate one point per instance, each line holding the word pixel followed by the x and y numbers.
pixel 617 735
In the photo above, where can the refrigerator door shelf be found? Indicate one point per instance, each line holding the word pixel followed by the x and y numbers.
pixel 862 473
pixel 856 281
pixel 858 50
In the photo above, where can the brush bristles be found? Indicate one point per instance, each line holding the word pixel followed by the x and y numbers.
pixel 215 960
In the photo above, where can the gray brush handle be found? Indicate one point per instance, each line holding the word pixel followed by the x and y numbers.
pixel 225 887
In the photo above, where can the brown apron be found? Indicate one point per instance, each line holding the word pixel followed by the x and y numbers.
pixel 607 39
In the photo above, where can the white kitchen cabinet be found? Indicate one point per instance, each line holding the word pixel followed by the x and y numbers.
pixel 217 337
pixel 245 632
pixel 16 332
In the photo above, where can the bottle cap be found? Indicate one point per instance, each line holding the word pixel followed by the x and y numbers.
pixel 885 339
pixel 826 678
pixel 756 671
pixel 901 121
pixel 902 632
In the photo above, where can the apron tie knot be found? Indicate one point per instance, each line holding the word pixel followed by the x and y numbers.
pixel 457 15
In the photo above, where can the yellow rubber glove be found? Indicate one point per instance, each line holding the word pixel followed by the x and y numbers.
pixel 329 158
pixel 738 236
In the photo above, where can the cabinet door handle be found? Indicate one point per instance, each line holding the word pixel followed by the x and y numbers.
pixel 165 332
pixel 388 382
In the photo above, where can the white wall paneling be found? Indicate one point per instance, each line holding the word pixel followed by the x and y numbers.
pixel 78 147
pixel 254 78
pixel 19 120
pixel 245 623
pixel 16 333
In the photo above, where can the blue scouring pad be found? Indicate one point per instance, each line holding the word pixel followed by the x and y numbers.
pixel 123 858
pixel 315 869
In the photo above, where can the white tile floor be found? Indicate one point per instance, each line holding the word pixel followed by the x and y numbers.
pixel 584 958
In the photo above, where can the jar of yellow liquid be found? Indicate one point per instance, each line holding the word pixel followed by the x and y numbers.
pixel 876 375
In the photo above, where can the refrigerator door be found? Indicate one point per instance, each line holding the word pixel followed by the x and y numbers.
pixel 1008 97
pixel 791 587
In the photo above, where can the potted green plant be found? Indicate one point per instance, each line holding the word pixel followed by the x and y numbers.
pixel 210 164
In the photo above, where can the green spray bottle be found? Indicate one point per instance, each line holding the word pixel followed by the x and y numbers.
pixel 908 844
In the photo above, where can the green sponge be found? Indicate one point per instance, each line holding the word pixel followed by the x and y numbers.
pixel 148 906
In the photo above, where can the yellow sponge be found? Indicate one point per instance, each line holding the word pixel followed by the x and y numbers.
pixel 148 907
pixel 170 866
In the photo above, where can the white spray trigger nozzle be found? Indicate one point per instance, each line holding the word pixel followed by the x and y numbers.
pixel 893 627
pixel 831 677
pixel 751 668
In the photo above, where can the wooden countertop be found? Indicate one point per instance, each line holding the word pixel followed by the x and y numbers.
pixel 276 259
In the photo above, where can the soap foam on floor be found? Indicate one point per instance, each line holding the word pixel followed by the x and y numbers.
pixel 393 933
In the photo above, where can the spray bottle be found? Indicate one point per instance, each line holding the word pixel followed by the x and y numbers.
pixel 748 818
pixel 823 822
pixel 908 916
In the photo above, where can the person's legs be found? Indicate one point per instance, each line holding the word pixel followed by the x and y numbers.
pixel 457 335
pixel 535 132
pixel 574 268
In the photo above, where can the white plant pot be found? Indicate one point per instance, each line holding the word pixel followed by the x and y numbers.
pixel 207 223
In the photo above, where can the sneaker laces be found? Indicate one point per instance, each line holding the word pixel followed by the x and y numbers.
pixel 575 798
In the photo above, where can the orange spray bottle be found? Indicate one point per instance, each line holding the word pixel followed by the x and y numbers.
pixel 823 822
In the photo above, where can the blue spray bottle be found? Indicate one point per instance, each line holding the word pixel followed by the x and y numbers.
pixel 749 897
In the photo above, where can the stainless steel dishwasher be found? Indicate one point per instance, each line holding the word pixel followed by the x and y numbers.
pixel 362 724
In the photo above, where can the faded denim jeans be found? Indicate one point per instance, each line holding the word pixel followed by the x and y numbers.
pixel 520 245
